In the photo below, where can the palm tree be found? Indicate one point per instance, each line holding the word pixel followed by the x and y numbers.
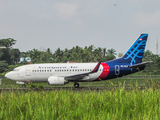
pixel 104 52
pixel 111 51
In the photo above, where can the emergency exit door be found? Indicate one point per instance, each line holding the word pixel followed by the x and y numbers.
pixel 117 70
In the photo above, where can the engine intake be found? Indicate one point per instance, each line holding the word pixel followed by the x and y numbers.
pixel 53 80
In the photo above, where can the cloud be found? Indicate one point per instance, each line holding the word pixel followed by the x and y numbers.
pixel 148 19
pixel 66 10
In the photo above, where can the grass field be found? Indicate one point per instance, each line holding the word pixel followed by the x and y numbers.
pixel 116 104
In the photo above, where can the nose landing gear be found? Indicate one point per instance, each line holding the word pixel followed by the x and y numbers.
pixel 24 85
pixel 76 85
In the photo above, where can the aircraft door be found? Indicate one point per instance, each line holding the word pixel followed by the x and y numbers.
pixel 117 70
pixel 28 71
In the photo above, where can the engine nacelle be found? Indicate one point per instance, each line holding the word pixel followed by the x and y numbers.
pixel 53 80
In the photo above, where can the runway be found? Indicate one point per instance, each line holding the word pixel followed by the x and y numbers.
pixel 69 88
pixel 86 88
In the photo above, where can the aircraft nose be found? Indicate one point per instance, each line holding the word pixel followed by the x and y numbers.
pixel 8 75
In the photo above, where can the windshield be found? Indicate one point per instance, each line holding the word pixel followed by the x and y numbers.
pixel 15 69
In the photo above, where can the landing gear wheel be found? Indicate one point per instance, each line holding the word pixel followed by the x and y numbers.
pixel 76 85
pixel 24 85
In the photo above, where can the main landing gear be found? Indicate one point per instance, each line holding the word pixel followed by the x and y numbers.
pixel 76 85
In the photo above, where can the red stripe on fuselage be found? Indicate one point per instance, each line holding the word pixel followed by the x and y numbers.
pixel 104 73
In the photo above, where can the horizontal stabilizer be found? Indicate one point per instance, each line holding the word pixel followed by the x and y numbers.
pixel 140 64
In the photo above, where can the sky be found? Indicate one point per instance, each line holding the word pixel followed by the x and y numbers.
pixel 54 24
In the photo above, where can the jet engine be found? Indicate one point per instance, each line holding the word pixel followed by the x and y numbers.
pixel 53 80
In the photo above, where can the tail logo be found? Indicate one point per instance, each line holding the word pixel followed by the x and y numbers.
pixel 136 51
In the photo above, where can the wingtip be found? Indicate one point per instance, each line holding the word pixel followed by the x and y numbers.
pixel 96 68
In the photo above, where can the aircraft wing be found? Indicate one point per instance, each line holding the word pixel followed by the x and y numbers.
pixel 140 64
pixel 82 75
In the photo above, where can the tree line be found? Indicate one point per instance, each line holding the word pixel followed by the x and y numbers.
pixel 10 58
pixel 76 54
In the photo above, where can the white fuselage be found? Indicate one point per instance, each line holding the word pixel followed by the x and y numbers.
pixel 41 72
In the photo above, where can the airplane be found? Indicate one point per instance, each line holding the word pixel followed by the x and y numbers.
pixel 63 73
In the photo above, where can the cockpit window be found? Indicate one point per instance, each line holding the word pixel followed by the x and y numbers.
pixel 15 70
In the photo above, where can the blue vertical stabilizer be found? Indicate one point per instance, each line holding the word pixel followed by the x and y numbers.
pixel 135 53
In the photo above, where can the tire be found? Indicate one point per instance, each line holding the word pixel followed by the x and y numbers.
pixel 76 85
pixel 24 85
